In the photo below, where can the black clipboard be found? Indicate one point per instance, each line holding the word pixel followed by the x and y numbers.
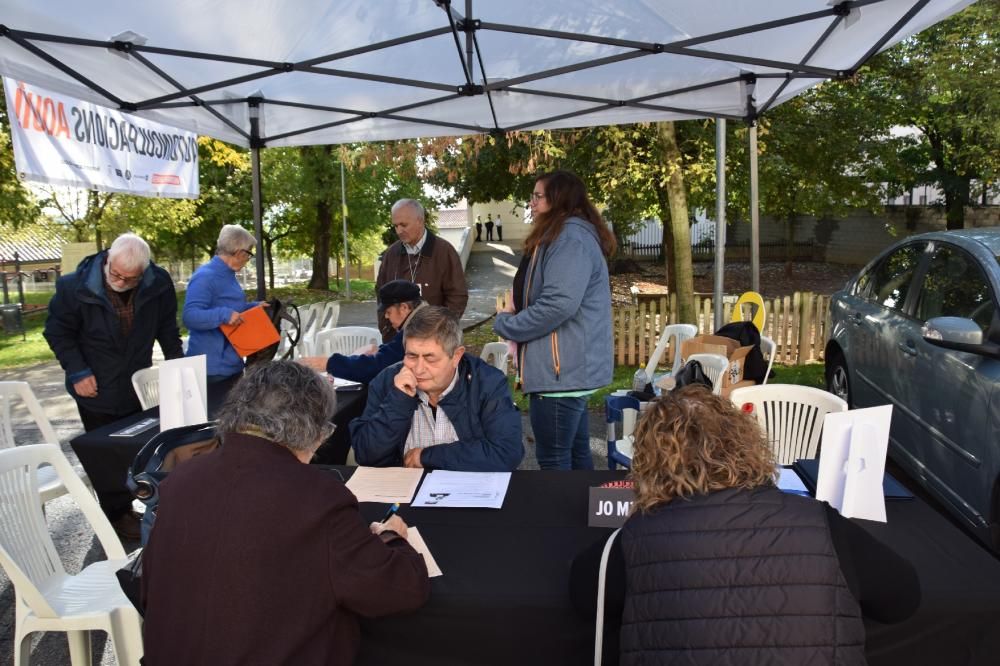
pixel 808 471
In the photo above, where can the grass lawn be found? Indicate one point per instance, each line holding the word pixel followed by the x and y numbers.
pixel 15 353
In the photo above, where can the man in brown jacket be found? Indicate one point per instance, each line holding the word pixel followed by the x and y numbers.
pixel 421 257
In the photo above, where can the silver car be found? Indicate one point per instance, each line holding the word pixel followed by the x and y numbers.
pixel 919 329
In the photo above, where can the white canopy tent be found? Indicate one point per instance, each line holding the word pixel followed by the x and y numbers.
pixel 260 73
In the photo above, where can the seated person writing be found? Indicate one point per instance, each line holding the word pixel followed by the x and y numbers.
pixel 397 301
pixel 440 408
pixel 717 566
pixel 259 558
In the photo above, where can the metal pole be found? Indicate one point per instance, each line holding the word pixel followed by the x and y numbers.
pixel 720 216
pixel 20 280
pixel 754 213
pixel 343 216
pixel 258 222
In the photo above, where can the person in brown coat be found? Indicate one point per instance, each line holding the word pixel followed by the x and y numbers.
pixel 421 257
pixel 258 558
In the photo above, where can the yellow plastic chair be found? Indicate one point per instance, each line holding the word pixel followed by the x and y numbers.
pixel 759 315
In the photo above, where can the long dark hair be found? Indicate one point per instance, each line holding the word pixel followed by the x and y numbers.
pixel 567 197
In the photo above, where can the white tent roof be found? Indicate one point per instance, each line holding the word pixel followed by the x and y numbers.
pixel 334 71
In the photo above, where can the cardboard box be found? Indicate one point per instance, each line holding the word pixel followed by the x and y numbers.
pixel 731 349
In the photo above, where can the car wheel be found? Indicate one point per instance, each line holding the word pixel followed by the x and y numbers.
pixel 837 381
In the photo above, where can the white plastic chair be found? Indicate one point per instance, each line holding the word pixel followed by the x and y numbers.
pixel 768 348
pixel 680 333
pixel 792 416
pixel 146 383
pixel 344 340
pixel 329 313
pixel 715 366
pixel 46 598
pixel 309 320
pixel 49 485
pixel 496 354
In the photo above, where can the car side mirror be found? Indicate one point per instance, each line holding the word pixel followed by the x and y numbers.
pixel 959 334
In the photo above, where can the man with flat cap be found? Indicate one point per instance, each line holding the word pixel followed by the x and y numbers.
pixel 398 300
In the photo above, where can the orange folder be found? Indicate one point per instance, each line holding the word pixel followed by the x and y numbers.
pixel 255 333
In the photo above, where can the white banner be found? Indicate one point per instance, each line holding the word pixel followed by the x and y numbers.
pixel 64 141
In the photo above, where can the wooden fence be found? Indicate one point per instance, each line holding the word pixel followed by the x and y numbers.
pixel 798 324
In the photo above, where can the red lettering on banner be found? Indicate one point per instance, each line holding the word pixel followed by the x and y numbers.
pixel 41 114
pixel 165 179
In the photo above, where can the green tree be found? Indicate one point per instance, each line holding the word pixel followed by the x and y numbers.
pixel 945 82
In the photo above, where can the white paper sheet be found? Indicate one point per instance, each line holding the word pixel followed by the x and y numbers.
pixel 183 392
pixel 852 462
pixel 345 384
pixel 485 490
pixel 415 539
pixel 385 484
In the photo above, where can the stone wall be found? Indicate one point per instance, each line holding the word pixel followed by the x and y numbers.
pixel 857 238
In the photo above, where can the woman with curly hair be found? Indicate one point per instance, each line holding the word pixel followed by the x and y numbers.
pixel 560 318
pixel 718 566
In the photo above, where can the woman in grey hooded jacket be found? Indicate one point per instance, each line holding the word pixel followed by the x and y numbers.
pixel 561 318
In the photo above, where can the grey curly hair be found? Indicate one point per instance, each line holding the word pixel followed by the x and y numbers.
pixel 287 402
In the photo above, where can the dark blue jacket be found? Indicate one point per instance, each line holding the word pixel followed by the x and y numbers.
pixel 86 337
pixel 480 408
pixel 364 367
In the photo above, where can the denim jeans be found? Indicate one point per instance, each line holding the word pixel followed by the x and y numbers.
pixel 562 432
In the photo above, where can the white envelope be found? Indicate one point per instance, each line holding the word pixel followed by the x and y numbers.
pixel 852 462
pixel 183 392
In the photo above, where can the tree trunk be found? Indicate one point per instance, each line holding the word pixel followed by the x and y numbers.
pixel 321 255
pixel 789 243
pixel 680 228
pixel 668 240
pixel 957 190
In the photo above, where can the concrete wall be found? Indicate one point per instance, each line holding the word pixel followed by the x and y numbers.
pixel 857 238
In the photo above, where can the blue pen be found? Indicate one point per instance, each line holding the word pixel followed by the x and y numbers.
pixel 393 508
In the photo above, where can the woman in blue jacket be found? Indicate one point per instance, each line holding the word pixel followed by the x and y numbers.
pixel 561 318
pixel 214 297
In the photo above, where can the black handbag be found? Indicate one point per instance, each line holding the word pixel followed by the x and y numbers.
pixel 159 457
pixel 151 465
pixel 691 373
pixel 280 312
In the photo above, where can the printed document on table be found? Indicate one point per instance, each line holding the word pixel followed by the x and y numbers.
pixel 417 541
pixel 484 490
pixel 384 484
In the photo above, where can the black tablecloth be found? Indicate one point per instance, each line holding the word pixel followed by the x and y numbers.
pixel 106 459
pixel 504 596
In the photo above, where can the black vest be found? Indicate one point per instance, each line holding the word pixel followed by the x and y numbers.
pixel 737 577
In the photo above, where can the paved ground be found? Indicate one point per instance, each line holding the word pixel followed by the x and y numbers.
pixel 490 270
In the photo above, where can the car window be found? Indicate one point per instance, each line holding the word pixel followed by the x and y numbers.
pixel 955 286
pixel 889 281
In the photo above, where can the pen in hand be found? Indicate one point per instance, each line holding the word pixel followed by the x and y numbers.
pixel 393 508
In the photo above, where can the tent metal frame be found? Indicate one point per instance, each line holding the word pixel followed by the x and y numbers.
pixel 464 28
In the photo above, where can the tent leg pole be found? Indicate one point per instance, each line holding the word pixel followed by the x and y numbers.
pixel 343 216
pixel 258 223
pixel 754 212
pixel 720 217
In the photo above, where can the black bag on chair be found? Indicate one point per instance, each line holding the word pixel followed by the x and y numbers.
pixel 691 373
pixel 279 312
pixel 159 456
pixel 151 465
